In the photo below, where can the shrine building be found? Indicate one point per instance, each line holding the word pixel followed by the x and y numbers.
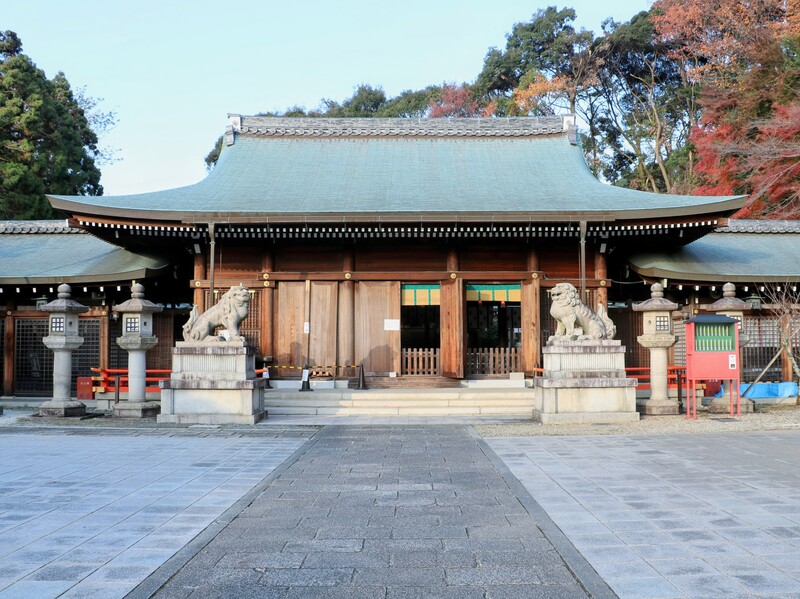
pixel 416 248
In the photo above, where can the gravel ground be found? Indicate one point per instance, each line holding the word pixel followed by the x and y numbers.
pixel 766 419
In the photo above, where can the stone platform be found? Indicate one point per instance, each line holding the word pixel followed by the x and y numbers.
pixel 584 381
pixel 213 383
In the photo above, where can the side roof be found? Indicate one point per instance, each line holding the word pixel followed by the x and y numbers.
pixel 745 251
pixel 34 252
pixel 340 170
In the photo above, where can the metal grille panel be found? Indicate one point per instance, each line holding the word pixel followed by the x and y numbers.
pixel 764 343
pixel 33 362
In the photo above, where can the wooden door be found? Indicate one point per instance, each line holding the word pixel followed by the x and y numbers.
pixel 452 314
pixel 377 326
pixel 289 343
pixel 323 297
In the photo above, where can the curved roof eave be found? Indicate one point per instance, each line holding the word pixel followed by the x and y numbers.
pixel 726 206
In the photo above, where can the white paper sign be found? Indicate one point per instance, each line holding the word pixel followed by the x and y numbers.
pixel 306 327
pixel 732 361
pixel 391 324
pixel 304 376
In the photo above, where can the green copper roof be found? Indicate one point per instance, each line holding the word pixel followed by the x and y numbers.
pixel 742 252
pixel 336 169
pixel 52 252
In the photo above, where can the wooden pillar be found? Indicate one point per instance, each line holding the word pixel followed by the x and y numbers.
pixel 345 326
pixel 199 299
pixel 786 363
pixel 267 306
pixel 105 340
pixel 531 310
pixel 8 355
pixel 601 272
pixel 452 315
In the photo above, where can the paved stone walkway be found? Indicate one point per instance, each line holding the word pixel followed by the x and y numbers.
pixel 91 513
pixel 385 512
pixel 702 516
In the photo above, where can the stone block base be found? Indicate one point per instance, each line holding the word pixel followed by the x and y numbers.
pixel 136 409
pixel 62 409
pixel 658 407
pixel 721 405
pixel 210 418
pixel 194 405
pixel 588 418
pixel 584 381
pixel 213 384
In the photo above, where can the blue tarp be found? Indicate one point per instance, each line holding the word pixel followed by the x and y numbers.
pixel 766 390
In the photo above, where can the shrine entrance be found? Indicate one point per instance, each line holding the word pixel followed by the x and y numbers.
pixel 420 338
pixel 494 329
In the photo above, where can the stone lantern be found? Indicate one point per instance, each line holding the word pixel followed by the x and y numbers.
pixel 658 338
pixel 732 306
pixel 137 337
pixel 63 339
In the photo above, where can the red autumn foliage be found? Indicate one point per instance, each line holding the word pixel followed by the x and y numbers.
pixel 455 101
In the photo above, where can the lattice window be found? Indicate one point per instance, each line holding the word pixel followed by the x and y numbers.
pixel 765 341
pixel 87 356
pixel 2 347
pixel 251 327
pixel 33 362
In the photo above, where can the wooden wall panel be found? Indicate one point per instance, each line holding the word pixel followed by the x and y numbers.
pixel 304 258
pixel 235 260
pixel 377 348
pixel 452 326
pixel 561 261
pixel 322 323
pixel 289 348
pixel 492 258
pixel 400 257
pixel 346 355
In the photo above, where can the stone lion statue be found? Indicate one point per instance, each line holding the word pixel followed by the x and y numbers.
pixel 228 313
pixel 575 318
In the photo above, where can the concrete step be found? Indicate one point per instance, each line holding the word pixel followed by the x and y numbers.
pixel 431 402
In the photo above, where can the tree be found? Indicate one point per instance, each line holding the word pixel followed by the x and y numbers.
pixel 46 142
pixel 454 101
pixel 644 109
pixel 548 47
pixel 746 58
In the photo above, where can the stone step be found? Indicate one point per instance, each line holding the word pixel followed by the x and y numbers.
pixel 387 402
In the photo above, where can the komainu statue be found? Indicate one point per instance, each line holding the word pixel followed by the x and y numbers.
pixel 575 318
pixel 228 313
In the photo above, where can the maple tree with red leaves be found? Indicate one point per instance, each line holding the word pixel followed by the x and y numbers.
pixel 746 58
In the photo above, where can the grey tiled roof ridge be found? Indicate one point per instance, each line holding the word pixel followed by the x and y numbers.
pixel 37 226
pixel 760 226
pixel 401 127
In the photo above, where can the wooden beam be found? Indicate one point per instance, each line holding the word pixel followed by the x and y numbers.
pixel 267 302
pixel 8 355
pixel 601 274
pixel 531 314
pixel 452 327
pixel 200 274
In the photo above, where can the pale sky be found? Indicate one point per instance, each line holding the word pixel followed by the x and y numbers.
pixel 172 70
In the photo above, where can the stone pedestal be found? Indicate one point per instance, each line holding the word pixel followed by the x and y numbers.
pixel 659 403
pixel 213 383
pixel 722 405
pixel 584 381
pixel 63 339
pixel 137 406
pixel 62 404
pixel 137 337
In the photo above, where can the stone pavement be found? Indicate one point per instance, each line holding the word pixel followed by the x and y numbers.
pixel 92 512
pixel 386 512
pixel 673 516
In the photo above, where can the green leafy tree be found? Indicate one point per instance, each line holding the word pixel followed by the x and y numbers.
pixel 46 142
pixel 549 47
